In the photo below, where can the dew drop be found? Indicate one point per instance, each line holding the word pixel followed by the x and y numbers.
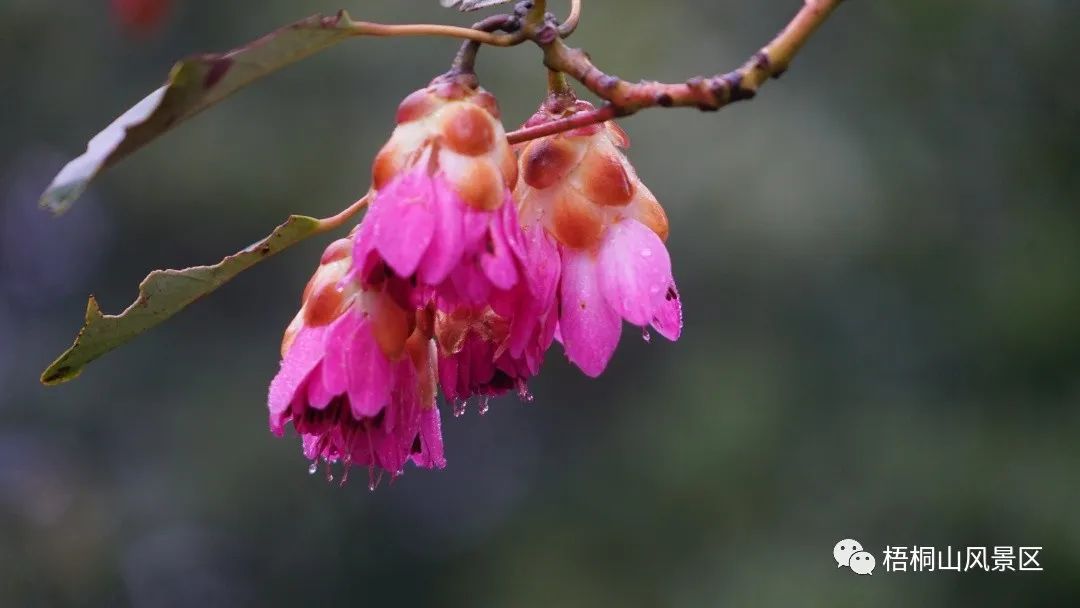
pixel 523 392
pixel 485 404
pixel 373 477
pixel 312 468
pixel 459 407
pixel 645 335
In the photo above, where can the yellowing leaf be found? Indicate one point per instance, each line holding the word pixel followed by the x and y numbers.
pixel 164 293
pixel 194 84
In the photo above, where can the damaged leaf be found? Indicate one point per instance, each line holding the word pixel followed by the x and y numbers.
pixel 164 293
pixel 194 84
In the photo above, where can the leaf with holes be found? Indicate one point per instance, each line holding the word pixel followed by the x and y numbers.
pixel 162 294
pixel 194 84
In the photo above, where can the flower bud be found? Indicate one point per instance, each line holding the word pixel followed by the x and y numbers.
pixel 439 217
pixel 580 187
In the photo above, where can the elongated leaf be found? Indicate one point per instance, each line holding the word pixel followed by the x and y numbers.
pixel 164 293
pixel 194 84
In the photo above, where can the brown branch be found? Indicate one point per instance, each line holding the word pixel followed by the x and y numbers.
pixel 574 121
pixel 708 94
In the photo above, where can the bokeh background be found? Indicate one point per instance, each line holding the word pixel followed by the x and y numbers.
pixel 880 264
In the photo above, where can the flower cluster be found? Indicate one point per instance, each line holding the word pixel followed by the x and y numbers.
pixel 462 275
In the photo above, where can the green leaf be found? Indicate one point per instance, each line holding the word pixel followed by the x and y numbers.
pixel 194 84
pixel 164 293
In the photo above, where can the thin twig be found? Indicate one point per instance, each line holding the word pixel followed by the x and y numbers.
pixel 363 28
pixel 574 121
pixel 571 22
pixel 709 94
pixel 327 224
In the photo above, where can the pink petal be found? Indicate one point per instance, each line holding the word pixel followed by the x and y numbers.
pixel 590 328
pixel 512 228
pixel 318 396
pixel 304 354
pixel 475 224
pixel 339 339
pixel 369 375
pixel 634 271
pixel 470 285
pixel 448 239
pixel 498 261
pixel 668 320
pixel 406 221
pixel 431 442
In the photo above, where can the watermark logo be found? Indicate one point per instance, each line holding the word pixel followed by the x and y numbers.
pixel 849 553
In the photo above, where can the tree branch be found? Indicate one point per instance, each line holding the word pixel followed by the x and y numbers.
pixel 707 94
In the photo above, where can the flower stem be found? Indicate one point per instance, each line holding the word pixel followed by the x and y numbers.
pixel 327 224
pixel 363 28
pixel 571 22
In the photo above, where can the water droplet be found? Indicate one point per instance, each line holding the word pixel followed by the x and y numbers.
pixel 645 335
pixel 459 407
pixel 523 392
pixel 485 403
pixel 313 468
pixel 373 477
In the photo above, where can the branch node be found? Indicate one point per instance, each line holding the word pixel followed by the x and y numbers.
pixel 761 61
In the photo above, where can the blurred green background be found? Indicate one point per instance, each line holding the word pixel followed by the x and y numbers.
pixel 879 259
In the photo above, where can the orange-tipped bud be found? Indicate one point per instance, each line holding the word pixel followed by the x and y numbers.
pixel 456 130
pixel 580 182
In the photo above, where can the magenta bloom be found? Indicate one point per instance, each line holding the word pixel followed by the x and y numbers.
pixel 490 350
pixel 353 382
pixel 441 217
pixel 580 188
pixel 421 231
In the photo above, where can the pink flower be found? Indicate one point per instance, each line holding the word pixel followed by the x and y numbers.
pixel 615 267
pixel 490 349
pixel 442 234
pixel 441 217
pixel 357 378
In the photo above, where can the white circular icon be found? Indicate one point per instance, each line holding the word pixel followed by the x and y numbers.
pixel 862 562
pixel 843 551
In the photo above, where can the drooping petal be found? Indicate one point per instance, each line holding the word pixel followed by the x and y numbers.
pixel 339 339
pixel 406 221
pixel 369 375
pixel 448 238
pixel 590 328
pixel 431 442
pixel 498 262
pixel 634 271
pixel 470 285
pixel 669 320
pixel 304 354
pixel 318 395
